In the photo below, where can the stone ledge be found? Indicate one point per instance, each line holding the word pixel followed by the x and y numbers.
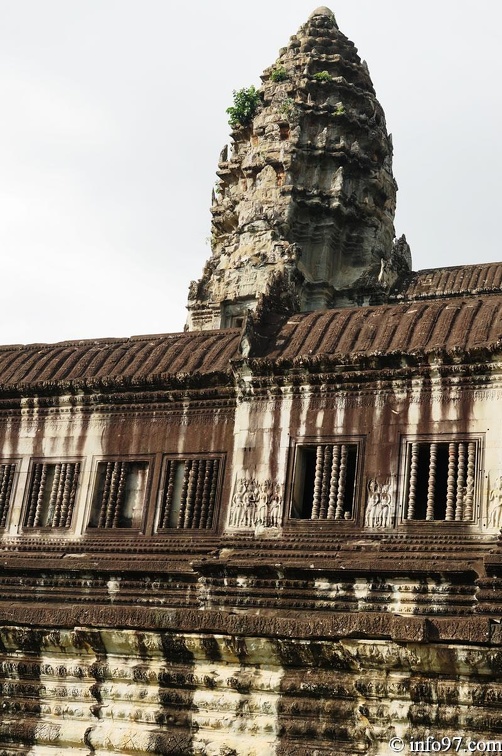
pixel 467 630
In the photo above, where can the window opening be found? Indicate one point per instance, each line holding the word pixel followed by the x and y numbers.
pixel 190 492
pixel 441 480
pixel 284 131
pixel 324 484
pixel 119 494
pixel 52 495
pixel 6 481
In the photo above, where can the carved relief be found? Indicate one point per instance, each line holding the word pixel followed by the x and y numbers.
pixel 255 504
pixel 379 504
pixel 495 503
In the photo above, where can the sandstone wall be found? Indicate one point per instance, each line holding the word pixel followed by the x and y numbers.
pixel 136 692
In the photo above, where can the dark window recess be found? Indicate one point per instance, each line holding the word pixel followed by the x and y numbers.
pixel 52 493
pixel 6 480
pixel 190 491
pixel 441 480
pixel 324 482
pixel 284 131
pixel 119 495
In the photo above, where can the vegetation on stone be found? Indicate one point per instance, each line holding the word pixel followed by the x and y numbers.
pixel 323 76
pixel 279 74
pixel 246 101
pixel 287 106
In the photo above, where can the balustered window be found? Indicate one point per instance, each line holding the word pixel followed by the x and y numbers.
pixel 325 481
pixel 119 494
pixel 441 480
pixel 190 492
pixel 51 495
pixel 7 470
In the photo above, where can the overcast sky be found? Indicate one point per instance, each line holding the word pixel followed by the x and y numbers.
pixel 113 117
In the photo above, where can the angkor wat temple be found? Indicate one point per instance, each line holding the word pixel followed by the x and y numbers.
pixel 276 532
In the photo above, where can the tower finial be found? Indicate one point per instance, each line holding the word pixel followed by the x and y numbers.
pixel 323 11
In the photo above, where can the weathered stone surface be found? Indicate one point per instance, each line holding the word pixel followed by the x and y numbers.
pixel 141 692
pixel 306 191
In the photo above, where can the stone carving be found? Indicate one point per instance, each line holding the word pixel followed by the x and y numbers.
pixel 255 504
pixel 317 140
pixel 495 504
pixel 379 505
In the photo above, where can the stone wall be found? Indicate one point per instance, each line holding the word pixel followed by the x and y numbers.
pixel 140 692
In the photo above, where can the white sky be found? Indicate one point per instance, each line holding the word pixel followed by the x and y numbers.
pixel 113 118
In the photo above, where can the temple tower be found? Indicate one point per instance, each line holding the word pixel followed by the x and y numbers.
pixel 305 201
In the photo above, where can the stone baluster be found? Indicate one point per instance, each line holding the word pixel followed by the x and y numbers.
pixel 450 490
pixel 40 497
pixel 65 499
pixel 68 514
pixel 30 517
pixel 55 497
pixel 110 466
pixel 316 502
pixel 212 493
pixel 333 488
pixel 208 474
pixel 199 492
pixel 459 508
pixel 118 506
pixel 3 489
pixel 431 483
pixel 325 486
pixel 183 497
pixel 112 495
pixel 192 488
pixel 339 513
pixel 469 493
pixel 412 492
pixel 169 493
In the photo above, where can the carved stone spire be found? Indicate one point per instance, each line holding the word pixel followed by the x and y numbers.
pixel 306 197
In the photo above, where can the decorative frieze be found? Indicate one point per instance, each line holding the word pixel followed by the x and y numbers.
pixel 333 396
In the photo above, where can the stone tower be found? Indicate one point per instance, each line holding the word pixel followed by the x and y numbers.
pixel 305 201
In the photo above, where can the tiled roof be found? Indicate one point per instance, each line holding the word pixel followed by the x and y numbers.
pixel 456 281
pixel 453 323
pixel 410 326
pixel 136 359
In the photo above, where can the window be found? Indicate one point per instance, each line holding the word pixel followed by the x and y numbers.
pixel 324 482
pixel 119 494
pixel 188 499
pixel 441 480
pixel 284 131
pixel 52 493
pixel 7 471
